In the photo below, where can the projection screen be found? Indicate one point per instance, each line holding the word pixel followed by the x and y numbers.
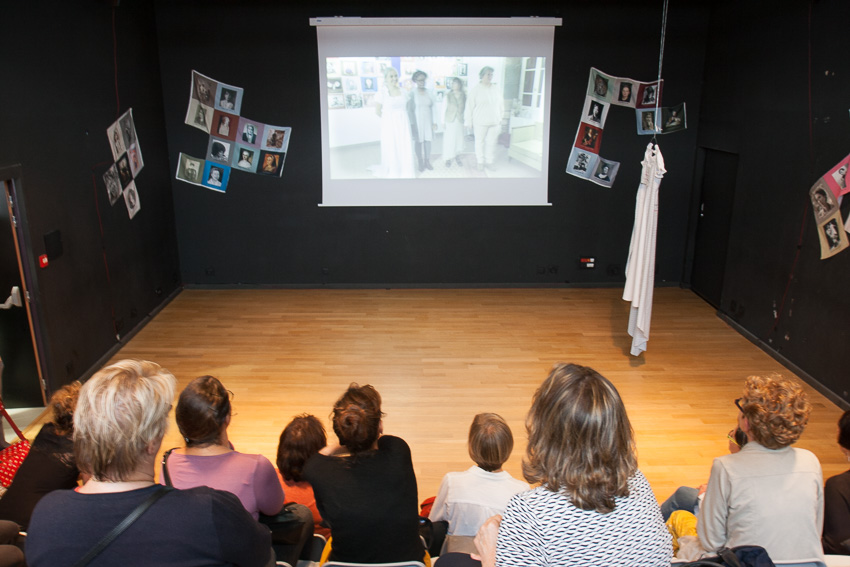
pixel 435 111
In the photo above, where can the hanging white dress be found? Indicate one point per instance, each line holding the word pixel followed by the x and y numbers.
pixel 640 267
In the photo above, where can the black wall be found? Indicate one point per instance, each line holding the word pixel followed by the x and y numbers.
pixel 765 71
pixel 271 231
pixel 58 98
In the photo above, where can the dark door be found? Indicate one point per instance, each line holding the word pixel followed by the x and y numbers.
pixel 20 380
pixel 717 195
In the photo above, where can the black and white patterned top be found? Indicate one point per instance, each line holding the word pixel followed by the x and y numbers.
pixel 543 528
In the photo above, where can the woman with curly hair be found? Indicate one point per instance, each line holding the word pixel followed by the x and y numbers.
pixel 593 507
pixel 769 493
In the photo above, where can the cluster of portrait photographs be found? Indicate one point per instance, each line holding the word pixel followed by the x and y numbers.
pixel 120 178
pixel 603 91
pixel 826 195
pixel 353 82
pixel 235 143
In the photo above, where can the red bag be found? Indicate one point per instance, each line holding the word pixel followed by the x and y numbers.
pixel 12 456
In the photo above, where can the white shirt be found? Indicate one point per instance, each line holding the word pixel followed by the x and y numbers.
pixel 466 499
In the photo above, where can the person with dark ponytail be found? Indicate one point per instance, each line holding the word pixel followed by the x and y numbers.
pixel 365 486
pixel 208 459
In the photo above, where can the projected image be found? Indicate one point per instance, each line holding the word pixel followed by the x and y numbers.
pixel 435 117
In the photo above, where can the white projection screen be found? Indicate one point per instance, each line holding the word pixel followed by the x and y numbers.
pixel 473 131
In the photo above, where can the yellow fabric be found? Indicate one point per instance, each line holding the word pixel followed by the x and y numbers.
pixel 681 523
pixel 326 553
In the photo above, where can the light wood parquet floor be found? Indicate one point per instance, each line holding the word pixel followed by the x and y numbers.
pixel 440 356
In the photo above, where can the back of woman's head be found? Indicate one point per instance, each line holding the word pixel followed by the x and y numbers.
pixel 63 402
pixel 777 410
pixel 299 441
pixel 490 441
pixel 844 430
pixel 202 410
pixel 357 418
pixel 580 441
pixel 121 412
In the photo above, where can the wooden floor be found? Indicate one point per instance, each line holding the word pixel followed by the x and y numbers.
pixel 438 357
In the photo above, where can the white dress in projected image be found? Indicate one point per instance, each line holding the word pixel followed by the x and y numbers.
pixel 396 137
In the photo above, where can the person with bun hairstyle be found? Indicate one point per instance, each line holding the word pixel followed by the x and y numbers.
pixel 836 499
pixel 208 459
pixel 365 486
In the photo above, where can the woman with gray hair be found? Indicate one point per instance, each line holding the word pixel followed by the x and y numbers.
pixel 119 423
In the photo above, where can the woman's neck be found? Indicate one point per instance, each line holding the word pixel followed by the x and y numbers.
pixel 207 450
pixel 134 481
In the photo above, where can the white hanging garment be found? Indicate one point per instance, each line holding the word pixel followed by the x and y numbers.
pixel 640 267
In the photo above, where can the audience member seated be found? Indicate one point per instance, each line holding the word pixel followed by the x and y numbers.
pixel 50 464
pixel 687 498
pixel 466 499
pixel 769 493
pixel 593 506
pixel 302 438
pixel 119 422
pixel 365 485
pixel 208 459
pixel 836 521
pixel 10 554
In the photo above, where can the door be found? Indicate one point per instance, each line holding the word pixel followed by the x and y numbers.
pixel 717 195
pixel 22 385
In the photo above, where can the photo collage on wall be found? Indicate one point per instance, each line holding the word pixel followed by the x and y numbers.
pixel 120 178
pixel 826 195
pixel 235 143
pixel 604 91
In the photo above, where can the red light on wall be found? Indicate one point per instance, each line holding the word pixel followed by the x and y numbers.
pixel 42 261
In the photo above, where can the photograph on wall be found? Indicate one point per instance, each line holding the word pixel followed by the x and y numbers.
pixel 276 138
pixel 131 199
pixel 836 178
pixel 582 163
pixel 128 128
pixel 824 202
pixel 228 98
pixel 116 140
pixel 199 115
pixel 600 86
pixel 649 94
pixel 113 184
pixel 249 132
pixel 624 90
pixel 245 158
pixel 271 163
pixel 215 176
pixel 334 84
pixel 673 118
pixel 832 238
pixel 595 111
pixel 225 125
pixel 203 89
pixel 605 172
pixel 589 138
pixel 219 150
pixel 124 173
pixel 189 169
pixel 646 123
pixel 134 155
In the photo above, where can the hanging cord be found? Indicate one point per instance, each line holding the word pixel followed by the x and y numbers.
pixel 660 65
pixel 115 64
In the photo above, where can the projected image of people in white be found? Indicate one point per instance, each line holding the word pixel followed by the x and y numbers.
pixel 437 118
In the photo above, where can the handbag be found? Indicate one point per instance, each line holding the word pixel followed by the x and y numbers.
pixel 739 556
pixel 12 456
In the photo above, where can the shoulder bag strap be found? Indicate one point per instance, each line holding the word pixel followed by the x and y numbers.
pixel 165 476
pixel 125 523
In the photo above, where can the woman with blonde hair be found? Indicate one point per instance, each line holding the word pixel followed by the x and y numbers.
pixel 593 507
pixel 119 423
pixel 769 493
